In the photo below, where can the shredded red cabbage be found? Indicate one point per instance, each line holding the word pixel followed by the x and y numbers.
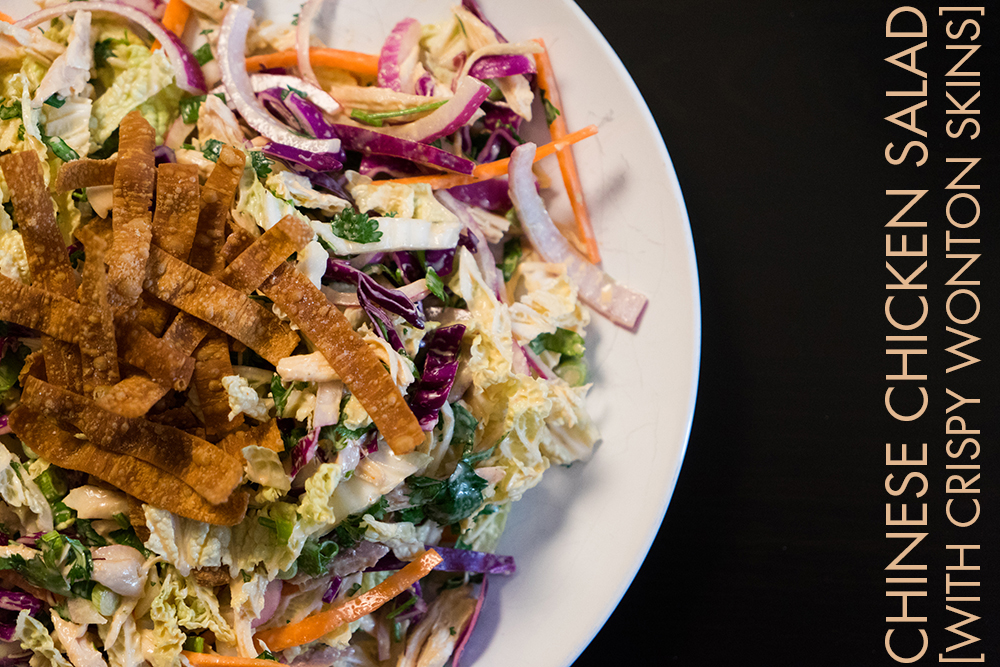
pixel 456 560
pixel 16 601
pixel 493 195
pixel 491 67
pixel 467 632
pixel 370 142
pixel 314 161
pixel 304 451
pixel 429 394
pixel 332 591
pixel 162 155
pixel 374 166
pixel 385 298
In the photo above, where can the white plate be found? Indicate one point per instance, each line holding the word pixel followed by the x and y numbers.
pixel 581 535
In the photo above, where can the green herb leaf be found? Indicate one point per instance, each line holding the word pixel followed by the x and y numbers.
pixel 261 164
pixel 88 536
pixel 76 257
pixel 267 655
pixel 280 394
pixel 108 148
pixel 465 428
pixel 11 365
pixel 189 108
pixel 353 226
pixel 567 343
pixel 512 253
pixel 204 54
pixel 211 149
pixel 55 101
pixel 339 434
pixel 64 566
pixel 448 501
pixel 350 530
pixel 435 285
pixel 61 149
pixel 316 556
pixel 551 112
pixel 105 49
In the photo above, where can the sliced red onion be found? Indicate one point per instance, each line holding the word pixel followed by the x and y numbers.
pixel 186 69
pixel 491 67
pixel 313 93
pixel 302 30
pixel 427 396
pixel 467 631
pixel 416 291
pixel 275 105
pixel 620 304
pixel 370 142
pixel 520 363
pixel 272 597
pixel 231 49
pixel 447 118
pixel 316 161
pixel 310 117
pixel 536 364
pixel 399 46
pixel 492 194
pixel 304 451
pixel 17 658
pixel 484 257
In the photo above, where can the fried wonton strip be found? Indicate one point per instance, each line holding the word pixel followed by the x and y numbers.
pixel 208 470
pixel 132 397
pixel 262 435
pixel 219 305
pixel 165 363
pixel 135 179
pixel 46 253
pixel 211 365
pixel 349 356
pixel 154 315
pixel 216 199
pixel 85 173
pixel 181 418
pixel 98 348
pixel 178 200
pixel 133 476
pixel 46 312
pixel 252 262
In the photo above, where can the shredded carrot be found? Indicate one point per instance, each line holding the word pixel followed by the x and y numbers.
pixel 489 170
pixel 352 61
pixel 175 18
pixel 213 660
pixel 567 165
pixel 317 625
pixel 5 18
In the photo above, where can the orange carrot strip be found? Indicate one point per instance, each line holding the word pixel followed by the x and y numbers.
pixel 567 165
pixel 317 625
pixel 175 18
pixel 5 18
pixel 352 61
pixel 490 170
pixel 212 660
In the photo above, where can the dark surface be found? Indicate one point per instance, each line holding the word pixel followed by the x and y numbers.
pixel 773 547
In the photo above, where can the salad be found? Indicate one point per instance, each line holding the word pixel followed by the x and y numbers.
pixel 284 332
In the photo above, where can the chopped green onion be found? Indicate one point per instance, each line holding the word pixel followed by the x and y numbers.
pixel 51 485
pixel 11 112
pixel 266 655
pixel 573 371
pixel 261 164
pixel 282 527
pixel 397 631
pixel 512 253
pixel 375 119
pixel 189 107
pixel 401 608
pixel 62 516
pixel 196 644
pixel 212 149
pixel 62 149
pixel 106 600
pixel 55 101
pixel 204 54
pixel 495 93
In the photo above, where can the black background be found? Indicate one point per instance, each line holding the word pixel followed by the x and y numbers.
pixel 773 547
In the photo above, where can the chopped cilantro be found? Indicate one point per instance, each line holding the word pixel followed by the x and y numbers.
pixel 261 164
pixel 353 226
pixel 207 31
pixel 448 501
pixel 211 149
pixel 435 285
pixel 315 557
pixel 551 111
pixel 465 428
pixel 295 18
pixel 351 531
pixel 204 54
pixel 280 394
pixel 88 536
pixel 512 253
pixel 105 49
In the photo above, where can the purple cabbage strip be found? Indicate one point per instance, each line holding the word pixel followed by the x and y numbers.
pixel 163 155
pixel 468 240
pixel 332 591
pixel 491 67
pixel 329 183
pixel 425 85
pixel 315 161
pixel 373 166
pixel 391 300
pixel 493 195
pixel 16 601
pixel 304 451
pixel 456 560
pixel 498 116
pixel 408 265
pixel 429 394
pixel 463 639
pixel 273 102
pixel 370 142
pixel 29 540
pixel 376 313
pixel 7 633
pixel 491 151
pixel 442 261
